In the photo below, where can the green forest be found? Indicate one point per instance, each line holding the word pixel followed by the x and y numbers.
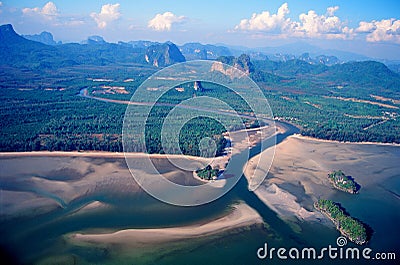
pixel 343 182
pixel 41 108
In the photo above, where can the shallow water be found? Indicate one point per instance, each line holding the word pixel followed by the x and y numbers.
pixel 41 239
pixel 34 239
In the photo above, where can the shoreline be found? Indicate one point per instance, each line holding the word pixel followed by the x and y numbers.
pixel 94 154
pixel 241 216
pixel 299 136
pixel 106 154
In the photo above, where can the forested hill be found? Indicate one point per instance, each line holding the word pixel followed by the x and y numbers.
pixel 347 79
pixel 18 51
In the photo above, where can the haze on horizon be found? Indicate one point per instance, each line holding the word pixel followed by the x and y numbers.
pixel 370 28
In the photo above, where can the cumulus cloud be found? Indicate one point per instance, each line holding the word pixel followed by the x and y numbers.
pixel 328 25
pixel 108 13
pixel 383 30
pixel 164 22
pixel 266 21
pixel 310 24
pixel 48 11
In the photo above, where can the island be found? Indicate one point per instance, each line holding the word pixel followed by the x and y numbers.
pixel 349 227
pixel 342 182
pixel 208 173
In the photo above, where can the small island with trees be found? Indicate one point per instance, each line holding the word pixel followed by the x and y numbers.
pixel 342 182
pixel 208 173
pixel 349 227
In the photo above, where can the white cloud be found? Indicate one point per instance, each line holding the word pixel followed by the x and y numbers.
pixel 309 25
pixel 266 21
pixel 328 25
pixel 108 13
pixel 1 3
pixel 331 10
pixel 366 27
pixel 48 11
pixel 383 30
pixel 162 22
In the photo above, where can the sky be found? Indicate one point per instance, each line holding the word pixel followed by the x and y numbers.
pixel 367 27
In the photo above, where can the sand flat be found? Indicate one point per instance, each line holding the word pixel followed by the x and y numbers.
pixel 298 175
pixel 62 177
pixel 242 215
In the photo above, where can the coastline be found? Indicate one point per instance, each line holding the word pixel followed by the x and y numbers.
pixel 241 216
pixel 299 136
pixel 107 154
pixel 94 154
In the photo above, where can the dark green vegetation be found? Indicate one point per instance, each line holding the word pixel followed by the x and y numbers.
pixel 342 182
pixel 334 103
pixel 192 132
pixel 348 226
pixel 207 173
pixel 41 110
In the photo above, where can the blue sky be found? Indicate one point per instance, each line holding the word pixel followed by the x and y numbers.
pixel 367 27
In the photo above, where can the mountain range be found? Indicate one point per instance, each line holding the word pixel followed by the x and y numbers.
pixel 44 37
pixel 41 52
pixel 193 50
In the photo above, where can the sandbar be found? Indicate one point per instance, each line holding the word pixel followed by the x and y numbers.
pixel 241 216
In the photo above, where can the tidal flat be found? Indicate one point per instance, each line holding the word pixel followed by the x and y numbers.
pixel 48 201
